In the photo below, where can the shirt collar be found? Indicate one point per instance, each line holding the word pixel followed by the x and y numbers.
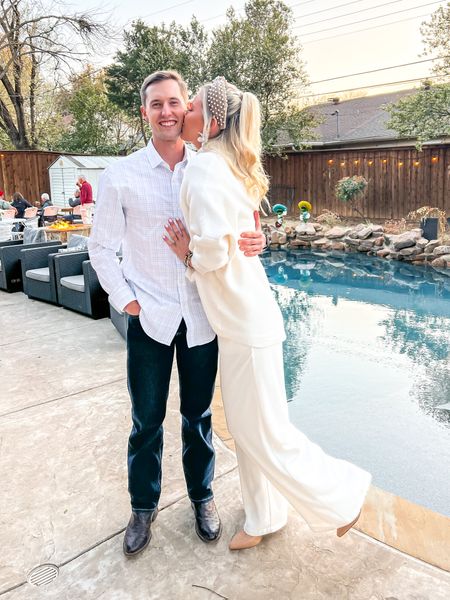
pixel 156 160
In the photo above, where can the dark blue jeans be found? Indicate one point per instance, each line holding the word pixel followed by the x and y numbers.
pixel 149 367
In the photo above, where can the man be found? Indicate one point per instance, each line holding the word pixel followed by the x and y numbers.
pixel 75 201
pixel 137 195
pixel 85 190
pixel 45 201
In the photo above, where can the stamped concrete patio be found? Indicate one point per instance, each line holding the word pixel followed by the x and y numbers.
pixel 64 420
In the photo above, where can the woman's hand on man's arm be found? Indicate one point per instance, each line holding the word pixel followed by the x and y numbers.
pixel 251 243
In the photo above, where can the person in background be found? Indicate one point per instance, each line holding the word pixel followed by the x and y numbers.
pixel 4 204
pixel 75 201
pixel 20 204
pixel 45 201
pixel 85 190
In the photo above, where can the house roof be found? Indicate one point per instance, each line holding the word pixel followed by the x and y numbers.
pixel 88 162
pixel 361 120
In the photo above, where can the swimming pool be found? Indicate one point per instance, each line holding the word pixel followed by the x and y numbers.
pixel 367 365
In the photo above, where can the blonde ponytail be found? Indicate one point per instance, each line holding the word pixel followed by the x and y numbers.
pixel 240 142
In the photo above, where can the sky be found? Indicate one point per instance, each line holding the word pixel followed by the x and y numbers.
pixel 339 37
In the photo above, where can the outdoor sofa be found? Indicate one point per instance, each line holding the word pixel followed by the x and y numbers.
pixel 10 267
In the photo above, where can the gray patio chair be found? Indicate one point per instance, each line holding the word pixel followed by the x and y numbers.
pixel 38 269
pixel 38 273
pixel 11 242
pixel 78 287
pixel 120 320
pixel 10 267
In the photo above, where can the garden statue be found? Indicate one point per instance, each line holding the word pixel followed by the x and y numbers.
pixel 305 210
pixel 281 211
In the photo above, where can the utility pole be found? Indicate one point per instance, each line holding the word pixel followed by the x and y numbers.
pixel 336 114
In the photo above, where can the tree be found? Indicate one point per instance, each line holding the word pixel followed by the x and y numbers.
pixel 426 115
pixel 191 46
pixel 259 53
pixel 350 189
pixel 96 125
pixel 423 116
pixel 149 49
pixel 436 36
pixel 35 37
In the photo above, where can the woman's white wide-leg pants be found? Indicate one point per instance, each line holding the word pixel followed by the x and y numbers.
pixel 278 464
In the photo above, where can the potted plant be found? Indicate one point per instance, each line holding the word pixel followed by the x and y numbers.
pixel 433 221
pixel 350 189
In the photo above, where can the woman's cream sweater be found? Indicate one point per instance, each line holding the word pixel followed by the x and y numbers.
pixel 233 288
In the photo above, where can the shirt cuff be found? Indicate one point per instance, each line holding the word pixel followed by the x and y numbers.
pixel 121 297
pixel 190 274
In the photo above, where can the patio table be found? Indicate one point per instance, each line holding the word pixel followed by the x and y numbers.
pixel 64 234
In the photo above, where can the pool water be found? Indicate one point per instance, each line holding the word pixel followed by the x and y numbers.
pixel 367 365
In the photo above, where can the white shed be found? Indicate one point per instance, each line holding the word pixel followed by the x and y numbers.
pixel 66 169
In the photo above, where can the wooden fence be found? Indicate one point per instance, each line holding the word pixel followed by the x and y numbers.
pixel 400 180
pixel 25 172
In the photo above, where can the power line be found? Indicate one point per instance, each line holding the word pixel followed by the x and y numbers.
pixel 242 6
pixel 166 9
pixel 371 18
pixel 302 3
pixel 355 12
pixel 375 85
pixel 332 37
pixel 222 15
pixel 417 62
pixel 317 12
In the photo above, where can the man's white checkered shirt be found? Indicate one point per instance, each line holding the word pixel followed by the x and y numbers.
pixel 137 195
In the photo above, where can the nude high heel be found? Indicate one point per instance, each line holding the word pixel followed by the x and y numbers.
pixel 340 531
pixel 242 541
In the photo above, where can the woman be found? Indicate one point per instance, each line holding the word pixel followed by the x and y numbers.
pixel 222 186
pixel 20 204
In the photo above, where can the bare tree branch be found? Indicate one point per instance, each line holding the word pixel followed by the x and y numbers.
pixel 33 38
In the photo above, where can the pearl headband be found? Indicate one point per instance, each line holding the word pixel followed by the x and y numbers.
pixel 216 98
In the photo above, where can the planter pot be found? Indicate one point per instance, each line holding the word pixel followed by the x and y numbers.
pixel 430 227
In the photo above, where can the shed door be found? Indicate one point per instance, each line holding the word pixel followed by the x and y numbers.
pixel 62 184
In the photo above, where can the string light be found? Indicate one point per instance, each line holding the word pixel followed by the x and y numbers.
pixel 384 161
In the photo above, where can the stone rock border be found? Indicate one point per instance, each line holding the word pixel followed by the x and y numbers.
pixel 371 239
